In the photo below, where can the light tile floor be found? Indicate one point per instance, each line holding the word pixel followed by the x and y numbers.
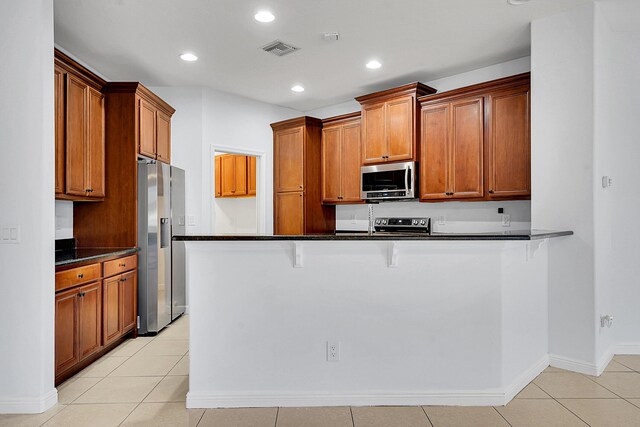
pixel 144 382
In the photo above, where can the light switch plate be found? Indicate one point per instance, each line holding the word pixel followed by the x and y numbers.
pixel 10 234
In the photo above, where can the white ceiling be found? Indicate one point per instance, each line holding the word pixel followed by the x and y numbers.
pixel 140 40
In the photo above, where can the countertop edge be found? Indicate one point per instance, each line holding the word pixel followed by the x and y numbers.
pixel 331 237
pixel 77 262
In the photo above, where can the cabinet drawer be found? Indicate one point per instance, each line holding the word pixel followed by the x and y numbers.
pixel 75 276
pixel 120 265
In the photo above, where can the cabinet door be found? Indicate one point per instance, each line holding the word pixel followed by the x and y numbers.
pixel 76 136
pixel 289 160
pixel 218 175
pixel 509 145
pixel 111 309
pixel 66 326
pixel 58 82
pixel 228 185
pixel 289 218
pixel 251 176
pixel 240 175
pixel 129 301
pixel 163 137
pixel 399 129
pixel 434 152
pixel 374 140
pixel 350 164
pixel 331 161
pixel 146 129
pixel 467 146
pixel 90 319
pixel 95 144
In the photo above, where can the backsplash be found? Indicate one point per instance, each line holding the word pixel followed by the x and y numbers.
pixel 452 217
pixel 64 219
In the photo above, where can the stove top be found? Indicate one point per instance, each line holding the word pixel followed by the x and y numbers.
pixel 403 225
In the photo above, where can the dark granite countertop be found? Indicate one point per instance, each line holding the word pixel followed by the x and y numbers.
pixel 505 235
pixel 79 256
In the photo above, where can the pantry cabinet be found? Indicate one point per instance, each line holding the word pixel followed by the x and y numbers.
pixel 475 142
pixel 79 131
pixel 390 124
pixel 341 139
pixel 298 207
pixel 235 176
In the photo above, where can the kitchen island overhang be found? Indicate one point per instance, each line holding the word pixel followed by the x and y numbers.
pixel 417 321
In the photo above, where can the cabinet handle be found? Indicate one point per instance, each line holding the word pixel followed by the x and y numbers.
pixel 490 191
pixel 124 279
pixel 80 276
pixel 122 265
pixel 81 294
pixel 301 186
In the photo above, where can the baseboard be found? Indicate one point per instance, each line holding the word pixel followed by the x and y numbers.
pixel 604 361
pixel 489 397
pixel 28 405
pixel 525 378
pixel 627 348
pixel 574 365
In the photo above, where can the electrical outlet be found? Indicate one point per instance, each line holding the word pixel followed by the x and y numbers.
pixel 333 351
pixel 353 219
pixel 607 181
pixel 506 220
pixel 442 220
pixel 606 320
pixel 191 220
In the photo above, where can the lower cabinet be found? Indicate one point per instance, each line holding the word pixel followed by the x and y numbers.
pixel 289 218
pixel 78 324
pixel 91 312
pixel 120 303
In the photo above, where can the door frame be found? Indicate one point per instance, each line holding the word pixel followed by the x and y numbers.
pixel 261 176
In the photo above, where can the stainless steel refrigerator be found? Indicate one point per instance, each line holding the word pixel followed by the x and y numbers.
pixel 161 287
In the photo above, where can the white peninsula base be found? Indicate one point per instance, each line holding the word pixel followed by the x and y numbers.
pixel 417 322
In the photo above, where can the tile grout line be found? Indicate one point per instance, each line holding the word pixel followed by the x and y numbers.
pixel 353 423
pixel 604 387
pixel 576 415
pixel 199 419
pixel 275 424
pixel 503 417
pixel 426 415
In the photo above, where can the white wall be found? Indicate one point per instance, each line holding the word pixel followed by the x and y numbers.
pixel 64 219
pixel 26 192
pixel 236 215
pixel 617 154
pixel 505 69
pixel 562 114
pixel 207 118
pixel 458 216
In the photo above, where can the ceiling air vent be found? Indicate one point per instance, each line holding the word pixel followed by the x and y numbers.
pixel 279 48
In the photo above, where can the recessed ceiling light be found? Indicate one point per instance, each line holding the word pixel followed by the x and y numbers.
pixel 189 57
pixel 297 88
pixel 264 16
pixel 374 65
pixel 517 2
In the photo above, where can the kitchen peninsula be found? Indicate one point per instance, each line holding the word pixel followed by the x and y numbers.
pixel 359 320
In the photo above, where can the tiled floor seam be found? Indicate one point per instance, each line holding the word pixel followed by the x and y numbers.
pixel 139 403
pixel 277 413
pixel 560 403
pixel 426 415
pixel 505 420
pixel 590 378
pixel 353 423
pixel 86 391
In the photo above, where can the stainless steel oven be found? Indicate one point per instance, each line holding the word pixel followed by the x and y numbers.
pixel 392 181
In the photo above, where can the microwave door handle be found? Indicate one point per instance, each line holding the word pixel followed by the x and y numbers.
pixel 407 171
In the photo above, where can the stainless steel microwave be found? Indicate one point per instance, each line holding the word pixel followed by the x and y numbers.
pixel 391 181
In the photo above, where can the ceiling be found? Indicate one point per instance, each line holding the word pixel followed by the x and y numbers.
pixel 140 40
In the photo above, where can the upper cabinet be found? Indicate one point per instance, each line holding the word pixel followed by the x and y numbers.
pixel 152 115
pixel 79 131
pixel 475 142
pixel 235 175
pixel 390 124
pixel 341 140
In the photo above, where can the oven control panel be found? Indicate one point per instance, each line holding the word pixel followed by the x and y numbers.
pixel 403 224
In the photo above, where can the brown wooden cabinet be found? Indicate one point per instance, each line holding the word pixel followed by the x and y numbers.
pixel 79 132
pixel 509 144
pixel 218 176
pixel 154 138
pixel 78 322
pixel 92 313
pixel 234 175
pixel 341 159
pixel 298 207
pixel 475 142
pixel 390 123
pixel 251 176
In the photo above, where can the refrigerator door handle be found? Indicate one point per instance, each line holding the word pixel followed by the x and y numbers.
pixel 165 233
